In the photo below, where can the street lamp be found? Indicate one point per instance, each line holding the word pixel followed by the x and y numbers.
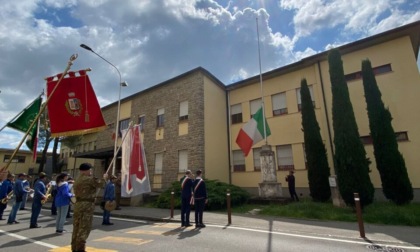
pixel 117 124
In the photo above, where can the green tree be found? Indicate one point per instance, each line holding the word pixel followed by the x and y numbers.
pixel 390 163
pixel 316 154
pixel 350 161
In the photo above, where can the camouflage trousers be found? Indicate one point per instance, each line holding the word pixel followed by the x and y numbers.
pixel 82 224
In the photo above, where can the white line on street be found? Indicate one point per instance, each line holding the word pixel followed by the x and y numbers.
pixel 23 238
pixel 316 237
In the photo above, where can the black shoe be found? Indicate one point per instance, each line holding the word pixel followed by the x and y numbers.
pixel 188 225
pixel 2 219
pixel 107 224
pixel 16 222
pixel 34 226
pixel 201 225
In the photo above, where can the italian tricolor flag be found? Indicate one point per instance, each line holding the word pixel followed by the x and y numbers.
pixel 252 132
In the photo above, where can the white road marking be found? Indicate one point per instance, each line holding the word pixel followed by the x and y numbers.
pixel 23 238
pixel 315 237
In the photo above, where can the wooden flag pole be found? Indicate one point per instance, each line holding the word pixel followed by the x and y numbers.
pixel 130 125
pixel 72 58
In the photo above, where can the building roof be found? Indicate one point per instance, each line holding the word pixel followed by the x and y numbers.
pixel 412 30
pixel 195 70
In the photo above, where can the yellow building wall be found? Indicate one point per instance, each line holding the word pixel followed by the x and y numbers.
pixel 216 159
pixel 399 89
pixel 285 129
pixel 18 167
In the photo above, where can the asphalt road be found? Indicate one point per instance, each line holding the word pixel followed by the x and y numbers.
pixel 138 235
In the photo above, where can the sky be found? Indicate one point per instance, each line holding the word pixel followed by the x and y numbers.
pixel 151 41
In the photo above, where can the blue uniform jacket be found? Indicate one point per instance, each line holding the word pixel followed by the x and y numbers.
pixel 63 195
pixel 200 191
pixel 109 194
pixel 186 187
pixel 6 188
pixel 18 188
pixel 39 189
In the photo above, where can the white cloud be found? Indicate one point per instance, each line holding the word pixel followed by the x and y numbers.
pixel 150 41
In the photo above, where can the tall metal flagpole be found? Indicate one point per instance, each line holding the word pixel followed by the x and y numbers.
pixel 117 123
pixel 72 58
pixel 261 84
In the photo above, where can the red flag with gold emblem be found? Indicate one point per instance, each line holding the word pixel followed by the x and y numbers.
pixel 73 108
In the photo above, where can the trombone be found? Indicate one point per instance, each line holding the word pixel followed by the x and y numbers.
pixel 7 198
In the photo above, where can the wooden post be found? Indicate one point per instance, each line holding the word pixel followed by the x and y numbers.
pixel 172 205
pixel 228 207
pixel 359 215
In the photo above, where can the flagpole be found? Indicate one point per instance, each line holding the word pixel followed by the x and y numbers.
pixel 130 125
pixel 69 63
pixel 261 84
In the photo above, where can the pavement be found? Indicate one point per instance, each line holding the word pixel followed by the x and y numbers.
pixel 403 237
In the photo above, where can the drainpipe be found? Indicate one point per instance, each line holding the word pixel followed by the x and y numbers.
pixel 228 133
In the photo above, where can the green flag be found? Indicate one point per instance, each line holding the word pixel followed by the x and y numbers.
pixel 23 121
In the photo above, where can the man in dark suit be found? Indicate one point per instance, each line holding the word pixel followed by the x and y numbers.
pixel 186 197
pixel 290 179
pixel 200 199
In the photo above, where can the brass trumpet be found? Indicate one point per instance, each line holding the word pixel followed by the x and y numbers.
pixel 7 198
pixel 47 195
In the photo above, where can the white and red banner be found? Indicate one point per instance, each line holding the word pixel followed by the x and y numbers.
pixel 135 178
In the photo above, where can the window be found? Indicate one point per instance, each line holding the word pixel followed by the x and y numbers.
pixel 141 122
pixel 158 163
pixel 236 113
pixel 285 157
pixel 16 159
pixel 257 160
pixel 238 161
pixel 255 106
pixel 299 98
pixel 160 118
pixel 183 160
pixel 123 125
pixel 400 137
pixel 183 111
pixel 279 104
pixel 376 71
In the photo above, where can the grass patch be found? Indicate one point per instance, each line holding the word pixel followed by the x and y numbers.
pixel 376 213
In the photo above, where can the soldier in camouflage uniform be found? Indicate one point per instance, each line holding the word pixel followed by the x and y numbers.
pixel 85 190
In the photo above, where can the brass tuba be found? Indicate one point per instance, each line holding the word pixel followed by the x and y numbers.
pixel 7 198
pixel 47 195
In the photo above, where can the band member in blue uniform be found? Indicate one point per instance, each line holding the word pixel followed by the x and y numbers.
pixel 5 189
pixel 200 199
pixel 18 190
pixel 39 195
pixel 109 195
pixel 186 198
